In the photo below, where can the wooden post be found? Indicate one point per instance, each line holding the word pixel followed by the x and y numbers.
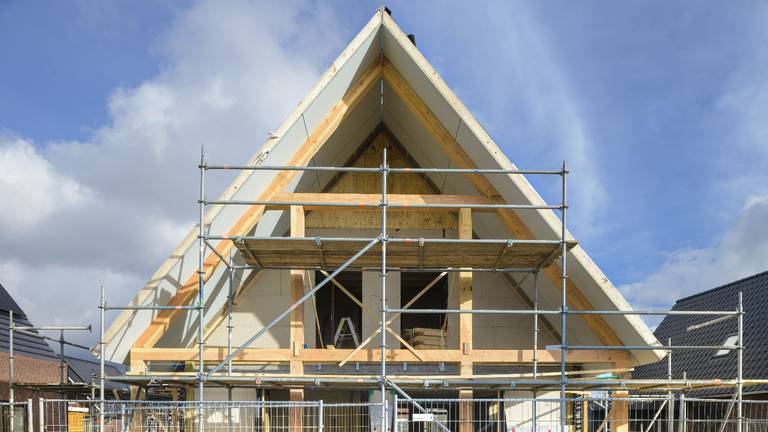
pixel 137 419
pixel 619 412
pixel 175 412
pixel 584 414
pixel 465 298
pixel 466 411
pixel 297 290
pixel 295 421
pixel 137 366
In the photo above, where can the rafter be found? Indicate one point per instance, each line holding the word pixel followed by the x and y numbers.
pixel 511 220
pixel 187 292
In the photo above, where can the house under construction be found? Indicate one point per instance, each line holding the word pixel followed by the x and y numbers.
pixel 380 247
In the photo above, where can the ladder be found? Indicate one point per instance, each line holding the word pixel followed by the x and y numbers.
pixel 340 335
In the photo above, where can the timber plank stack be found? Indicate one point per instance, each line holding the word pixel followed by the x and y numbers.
pixel 425 338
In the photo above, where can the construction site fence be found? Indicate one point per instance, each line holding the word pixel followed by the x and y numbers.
pixel 584 414
pixel 22 414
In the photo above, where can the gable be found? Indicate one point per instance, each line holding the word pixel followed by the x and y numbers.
pixel 436 130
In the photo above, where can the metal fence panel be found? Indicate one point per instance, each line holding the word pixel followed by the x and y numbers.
pixel 351 417
pixel 21 417
pixel 533 415
pixel 584 414
pixel 716 415
pixel 164 416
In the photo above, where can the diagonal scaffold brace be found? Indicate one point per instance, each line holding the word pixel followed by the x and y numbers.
pixel 287 311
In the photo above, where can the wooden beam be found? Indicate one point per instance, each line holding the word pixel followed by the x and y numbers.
pixel 296 416
pixel 137 364
pixel 317 200
pixel 314 355
pixel 187 292
pixel 465 298
pixel 435 128
pixel 137 420
pixel 619 413
pixel 511 220
pixel 297 291
pixel 175 398
pixel 355 218
pixel 466 410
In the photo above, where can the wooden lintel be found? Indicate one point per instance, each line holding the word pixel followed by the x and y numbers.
pixel 511 220
pixel 319 201
pixel 316 355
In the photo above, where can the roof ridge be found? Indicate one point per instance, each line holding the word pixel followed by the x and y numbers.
pixel 756 275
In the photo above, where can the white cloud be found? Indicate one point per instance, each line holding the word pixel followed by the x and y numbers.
pixel 109 209
pixel 526 93
pixel 31 187
pixel 738 187
pixel 741 251
pixel 743 106
pixel 65 294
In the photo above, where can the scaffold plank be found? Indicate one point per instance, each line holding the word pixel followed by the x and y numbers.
pixel 277 252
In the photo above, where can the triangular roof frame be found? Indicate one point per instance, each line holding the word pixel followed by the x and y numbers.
pixel 380 50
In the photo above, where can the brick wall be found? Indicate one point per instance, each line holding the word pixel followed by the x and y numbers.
pixel 27 370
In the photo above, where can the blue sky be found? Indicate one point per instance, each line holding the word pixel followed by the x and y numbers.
pixel 659 107
pixel 65 58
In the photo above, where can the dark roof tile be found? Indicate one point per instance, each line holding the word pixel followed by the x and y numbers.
pixel 702 364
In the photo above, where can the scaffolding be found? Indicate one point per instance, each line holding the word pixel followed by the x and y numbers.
pixel 384 253
pixel 61 341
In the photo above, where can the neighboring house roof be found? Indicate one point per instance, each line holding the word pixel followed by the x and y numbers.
pixel 382 39
pixel 82 371
pixel 7 303
pixel 33 345
pixel 705 364
pixel 23 343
